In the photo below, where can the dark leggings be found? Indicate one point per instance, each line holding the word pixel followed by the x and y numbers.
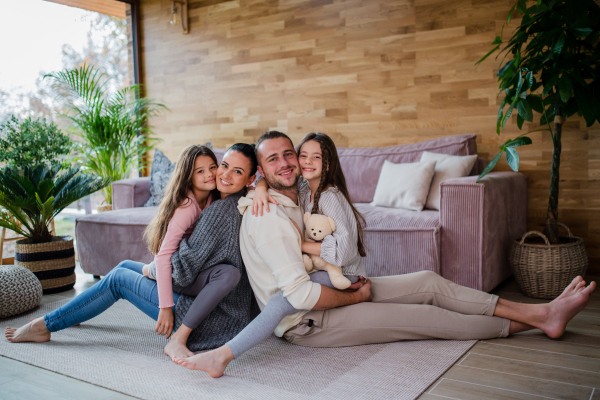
pixel 209 288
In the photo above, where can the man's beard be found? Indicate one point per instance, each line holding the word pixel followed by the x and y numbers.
pixel 275 184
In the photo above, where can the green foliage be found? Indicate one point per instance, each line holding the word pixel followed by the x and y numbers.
pixel 31 197
pixel 554 68
pixel 32 142
pixel 113 126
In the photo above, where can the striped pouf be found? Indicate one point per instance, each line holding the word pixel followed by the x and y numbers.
pixel 53 263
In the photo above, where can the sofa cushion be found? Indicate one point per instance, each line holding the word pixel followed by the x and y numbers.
pixel 400 241
pixel 362 165
pixel 404 185
pixel 160 173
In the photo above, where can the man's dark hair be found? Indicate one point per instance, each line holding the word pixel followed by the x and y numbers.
pixel 268 136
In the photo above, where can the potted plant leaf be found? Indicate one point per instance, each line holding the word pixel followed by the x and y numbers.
pixel 553 71
pixel 34 188
pixel 113 125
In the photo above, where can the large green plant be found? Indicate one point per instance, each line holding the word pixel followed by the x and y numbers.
pixel 31 197
pixel 32 142
pixel 113 126
pixel 553 71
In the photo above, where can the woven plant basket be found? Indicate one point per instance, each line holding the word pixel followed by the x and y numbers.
pixel 53 263
pixel 544 270
pixel 105 208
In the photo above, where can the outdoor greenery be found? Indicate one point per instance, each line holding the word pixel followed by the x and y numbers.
pixel 113 125
pixel 31 197
pixel 554 71
pixel 32 142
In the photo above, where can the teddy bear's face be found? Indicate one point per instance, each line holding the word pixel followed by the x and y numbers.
pixel 318 226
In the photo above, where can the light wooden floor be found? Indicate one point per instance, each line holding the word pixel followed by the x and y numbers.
pixel 529 365
pixel 524 366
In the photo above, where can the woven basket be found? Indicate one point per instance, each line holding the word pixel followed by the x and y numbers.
pixel 53 263
pixel 544 270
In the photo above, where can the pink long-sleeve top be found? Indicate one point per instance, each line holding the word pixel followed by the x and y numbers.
pixel 180 227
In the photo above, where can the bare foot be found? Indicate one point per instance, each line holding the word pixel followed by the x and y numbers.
pixel 34 331
pixel 212 362
pixel 557 314
pixel 176 349
pixel 577 284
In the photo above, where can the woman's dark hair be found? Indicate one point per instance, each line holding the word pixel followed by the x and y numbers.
pixel 248 151
pixel 332 175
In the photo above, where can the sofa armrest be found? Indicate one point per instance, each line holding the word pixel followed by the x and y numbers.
pixel 129 193
pixel 478 223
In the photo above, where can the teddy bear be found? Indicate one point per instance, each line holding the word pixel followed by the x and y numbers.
pixel 318 226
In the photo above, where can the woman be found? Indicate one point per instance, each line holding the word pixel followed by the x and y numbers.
pixel 214 241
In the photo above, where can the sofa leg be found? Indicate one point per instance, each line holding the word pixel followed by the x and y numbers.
pixel 96 276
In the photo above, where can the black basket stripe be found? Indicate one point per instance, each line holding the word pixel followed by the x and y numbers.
pixel 44 255
pixel 59 289
pixel 55 273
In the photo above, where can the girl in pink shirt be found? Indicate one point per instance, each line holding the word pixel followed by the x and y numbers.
pixel 191 189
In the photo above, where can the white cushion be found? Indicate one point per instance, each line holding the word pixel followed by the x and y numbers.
pixel 446 167
pixel 404 185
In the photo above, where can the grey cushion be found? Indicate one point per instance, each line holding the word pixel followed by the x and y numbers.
pixel 160 173
pixel 20 290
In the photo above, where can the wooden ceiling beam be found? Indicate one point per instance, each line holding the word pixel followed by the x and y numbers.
pixel 113 8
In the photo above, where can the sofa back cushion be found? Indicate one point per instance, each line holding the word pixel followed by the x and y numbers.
pixel 362 165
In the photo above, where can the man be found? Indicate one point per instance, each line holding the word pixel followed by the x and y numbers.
pixel 420 305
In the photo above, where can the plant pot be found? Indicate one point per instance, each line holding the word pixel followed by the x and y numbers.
pixel 544 270
pixel 53 263
pixel 107 207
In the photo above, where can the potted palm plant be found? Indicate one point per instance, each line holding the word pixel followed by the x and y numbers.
pixel 34 188
pixel 553 71
pixel 113 126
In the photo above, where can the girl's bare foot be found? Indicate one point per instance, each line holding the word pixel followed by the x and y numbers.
pixel 34 331
pixel 576 285
pixel 212 362
pixel 556 315
pixel 177 349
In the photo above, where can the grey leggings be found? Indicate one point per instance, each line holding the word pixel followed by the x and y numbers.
pixel 209 288
pixel 265 323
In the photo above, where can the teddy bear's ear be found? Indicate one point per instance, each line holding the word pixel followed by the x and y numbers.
pixel 331 223
pixel 306 217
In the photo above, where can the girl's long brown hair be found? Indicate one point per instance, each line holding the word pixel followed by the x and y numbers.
pixel 176 194
pixel 332 175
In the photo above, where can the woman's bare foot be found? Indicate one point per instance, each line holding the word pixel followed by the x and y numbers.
pixel 34 331
pixel 212 362
pixel 177 349
pixel 556 315
pixel 575 286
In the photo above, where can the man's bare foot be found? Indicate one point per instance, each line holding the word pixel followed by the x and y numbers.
pixel 176 349
pixel 576 285
pixel 557 314
pixel 34 331
pixel 212 362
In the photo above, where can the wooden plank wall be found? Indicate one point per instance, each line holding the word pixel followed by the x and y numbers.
pixel 367 72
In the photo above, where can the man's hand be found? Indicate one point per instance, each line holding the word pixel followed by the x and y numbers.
pixel 165 322
pixel 356 285
pixel 364 293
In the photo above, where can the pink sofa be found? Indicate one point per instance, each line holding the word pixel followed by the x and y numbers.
pixel 467 241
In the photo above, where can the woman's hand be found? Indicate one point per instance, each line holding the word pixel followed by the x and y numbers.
pixel 145 270
pixel 165 322
pixel 262 198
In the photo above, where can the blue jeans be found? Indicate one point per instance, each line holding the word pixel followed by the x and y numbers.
pixel 125 281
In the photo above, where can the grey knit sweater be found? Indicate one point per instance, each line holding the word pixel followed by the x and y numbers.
pixel 215 240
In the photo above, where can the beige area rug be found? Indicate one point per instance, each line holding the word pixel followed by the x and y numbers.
pixel 120 351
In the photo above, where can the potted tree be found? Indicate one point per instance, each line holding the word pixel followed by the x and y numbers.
pixel 553 71
pixel 113 126
pixel 34 188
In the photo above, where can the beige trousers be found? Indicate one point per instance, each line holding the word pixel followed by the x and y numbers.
pixel 421 305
